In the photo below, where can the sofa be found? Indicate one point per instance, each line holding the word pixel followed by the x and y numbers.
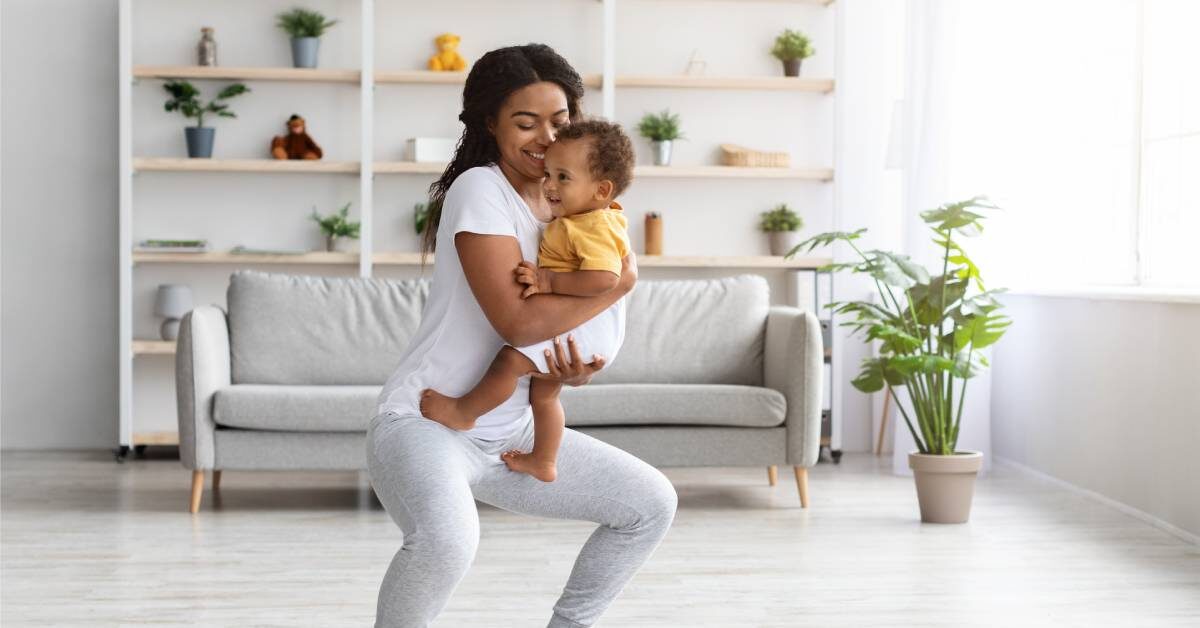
pixel 710 374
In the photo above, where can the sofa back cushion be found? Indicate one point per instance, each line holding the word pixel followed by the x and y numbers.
pixel 293 329
pixel 708 331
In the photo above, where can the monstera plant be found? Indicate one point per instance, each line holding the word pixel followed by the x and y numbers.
pixel 931 330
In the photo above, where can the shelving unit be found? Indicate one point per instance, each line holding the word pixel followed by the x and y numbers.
pixel 366 80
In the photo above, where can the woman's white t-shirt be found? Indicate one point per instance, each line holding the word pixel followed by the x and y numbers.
pixel 455 343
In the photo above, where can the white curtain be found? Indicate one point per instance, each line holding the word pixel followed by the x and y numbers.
pixel 926 158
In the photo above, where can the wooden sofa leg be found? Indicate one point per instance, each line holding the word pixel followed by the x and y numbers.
pixel 772 475
pixel 216 480
pixel 197 489
pixel 802 485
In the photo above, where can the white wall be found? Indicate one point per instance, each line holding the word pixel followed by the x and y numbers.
pixel 59 198
pixel 59 170
pixel 1104 394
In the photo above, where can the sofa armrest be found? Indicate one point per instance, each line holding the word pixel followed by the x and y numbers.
pixel 794 365
pixel 202 368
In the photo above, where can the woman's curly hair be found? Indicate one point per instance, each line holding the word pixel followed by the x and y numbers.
pixel 493 77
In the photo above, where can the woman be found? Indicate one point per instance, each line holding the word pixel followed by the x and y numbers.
pixel 428 475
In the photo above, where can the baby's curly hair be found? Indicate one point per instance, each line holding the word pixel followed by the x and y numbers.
pixel 610 153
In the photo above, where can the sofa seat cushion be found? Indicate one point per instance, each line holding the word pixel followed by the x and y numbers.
pixel 295 408
pixel 673 404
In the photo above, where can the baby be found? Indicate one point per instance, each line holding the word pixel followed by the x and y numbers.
pixel 589 165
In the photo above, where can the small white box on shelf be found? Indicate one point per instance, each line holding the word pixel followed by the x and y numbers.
pixel 437 149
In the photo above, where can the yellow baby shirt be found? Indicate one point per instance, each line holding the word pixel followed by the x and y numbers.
pixel 595 240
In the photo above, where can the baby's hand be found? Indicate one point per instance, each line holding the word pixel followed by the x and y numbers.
pixel 536 280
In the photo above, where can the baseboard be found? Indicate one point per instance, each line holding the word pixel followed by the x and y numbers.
pixel 1125 508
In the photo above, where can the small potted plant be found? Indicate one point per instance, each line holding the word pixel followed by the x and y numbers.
pixel 931 331
pixel 305 28
pixel 185 99
pixel 421 214
pixel 791 47
pixel 782 226
pixel 337 228
pixel 661 129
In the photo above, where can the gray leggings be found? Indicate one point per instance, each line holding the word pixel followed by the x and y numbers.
pixel 427 476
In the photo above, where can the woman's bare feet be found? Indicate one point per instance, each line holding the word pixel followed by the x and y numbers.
pixel 523 462
pixel 445 410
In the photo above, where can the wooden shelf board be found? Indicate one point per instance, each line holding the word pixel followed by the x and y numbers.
pixel 312 75
pixel 181 164
pixel 156 438
pixel 428 77
pixel 733 172
pixel 225 257
pixel 153 347
pixel 409 167
pixel 727 82
pixel 676 172
pixel 656 261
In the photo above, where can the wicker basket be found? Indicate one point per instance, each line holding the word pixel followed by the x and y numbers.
pixel 734 155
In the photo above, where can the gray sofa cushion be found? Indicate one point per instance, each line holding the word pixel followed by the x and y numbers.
pixel 350 408
pixel 294 329
pixel 673 404
pixel 295 408
pixel 693 332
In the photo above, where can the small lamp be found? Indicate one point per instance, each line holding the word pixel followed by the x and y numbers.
pixel 173 301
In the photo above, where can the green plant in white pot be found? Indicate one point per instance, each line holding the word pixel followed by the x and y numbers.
pixel 791 47
pixel 782 226
pixel 931 331
pixel 337 228
pixel 185 99
pixel 661 129
pixel 305 28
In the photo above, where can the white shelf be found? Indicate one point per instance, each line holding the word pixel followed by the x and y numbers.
pixel 181 164
pixel 311 75
pixel 364 79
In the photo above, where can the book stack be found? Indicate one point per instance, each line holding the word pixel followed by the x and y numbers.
pixel 172 246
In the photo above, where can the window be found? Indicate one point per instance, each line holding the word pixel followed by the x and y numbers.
pixel 1082 120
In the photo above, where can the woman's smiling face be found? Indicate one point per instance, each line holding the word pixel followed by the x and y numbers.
pixel 526 126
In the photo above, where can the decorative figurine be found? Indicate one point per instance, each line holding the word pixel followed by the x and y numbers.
pixel 207 49
pixel 296 144
pixel 447 59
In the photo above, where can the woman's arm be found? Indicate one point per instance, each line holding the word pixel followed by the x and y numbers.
pixel 488 262
pixel 579 283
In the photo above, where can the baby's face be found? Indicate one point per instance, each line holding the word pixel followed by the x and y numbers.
pixel 569 185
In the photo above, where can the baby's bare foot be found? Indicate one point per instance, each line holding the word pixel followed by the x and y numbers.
pixel 544 470
pixel 445 410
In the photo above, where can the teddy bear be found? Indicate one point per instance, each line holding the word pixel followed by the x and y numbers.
pixel 447 59
pixel 296 144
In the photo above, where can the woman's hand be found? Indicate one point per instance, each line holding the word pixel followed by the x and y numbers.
pixel 574 373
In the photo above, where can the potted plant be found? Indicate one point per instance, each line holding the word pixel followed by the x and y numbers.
pixel 782 226
pixel 336 227
pixel 421 214
pixel 931 332
pixel 791 47
pixel 185 99
pixel 305 28
pixel 661 129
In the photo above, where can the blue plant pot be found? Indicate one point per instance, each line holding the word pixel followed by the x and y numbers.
pixel 304 52
pixel 199 141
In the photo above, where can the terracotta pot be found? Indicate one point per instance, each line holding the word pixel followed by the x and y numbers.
pixel 783 241
pixel 945 484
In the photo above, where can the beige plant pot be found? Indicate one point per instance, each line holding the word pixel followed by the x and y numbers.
pixel 781 242
pixel 945 484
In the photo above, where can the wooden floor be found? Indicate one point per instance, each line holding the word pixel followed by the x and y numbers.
pixel 87 541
